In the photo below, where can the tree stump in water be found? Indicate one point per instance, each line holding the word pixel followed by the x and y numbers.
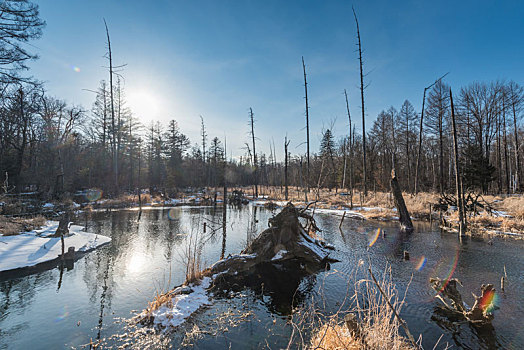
pixel 481 312
pixel 285 240
pixel 63 229
pixel 403 214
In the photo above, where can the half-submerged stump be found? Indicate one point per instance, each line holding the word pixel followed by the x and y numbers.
pixel 403 214
pixel 479 313
pixel 285 243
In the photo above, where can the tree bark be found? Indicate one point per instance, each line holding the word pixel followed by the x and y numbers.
pixel 458 182
pixel 363 113
pixel 403 214
pixel 307 124
pixel 254 151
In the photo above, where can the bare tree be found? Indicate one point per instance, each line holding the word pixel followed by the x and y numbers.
pixel 286 144
pixel 255 162
pixel 19 23
pixel 417 167
pixel 307 125
pixel 458 182
pixel 350 151
pixel 112 102
pixel 363 109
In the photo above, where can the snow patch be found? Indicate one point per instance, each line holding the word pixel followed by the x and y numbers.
pixel 35 247
pixel 183 305
pixel 279 255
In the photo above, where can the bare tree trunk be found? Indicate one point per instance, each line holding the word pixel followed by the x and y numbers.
pixel 286 143
pixel 363 109
pixel 458 182
pixel 517 148
pixel 114 150
pixel 417 167
pixel 403 214
pixel 506 164
pixel 307 124
pixel 351 136
pixel 254 150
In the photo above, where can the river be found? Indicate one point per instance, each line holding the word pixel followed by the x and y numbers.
pixel 67 308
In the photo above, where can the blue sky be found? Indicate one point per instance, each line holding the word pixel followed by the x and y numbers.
pixel 218 58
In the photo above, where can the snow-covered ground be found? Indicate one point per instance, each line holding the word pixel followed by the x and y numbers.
pixel 35 247
pixel 183 305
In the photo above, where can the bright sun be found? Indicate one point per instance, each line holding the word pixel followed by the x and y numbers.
pixel 144 105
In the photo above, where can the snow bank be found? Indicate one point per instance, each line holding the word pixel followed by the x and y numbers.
pixel 183 306
pixel 340 212
pixel 35 247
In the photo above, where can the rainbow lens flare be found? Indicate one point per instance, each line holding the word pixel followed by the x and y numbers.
pixel 489 300
pixel 93 194
pixel 374 238
pixel 76 69
pixel 421 263
pixel 451 271
pixel 172 214
pixel 63 316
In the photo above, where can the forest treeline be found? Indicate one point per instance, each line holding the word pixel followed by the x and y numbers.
pixel 50 146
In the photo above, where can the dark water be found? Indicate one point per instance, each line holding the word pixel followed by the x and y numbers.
pixel 62 309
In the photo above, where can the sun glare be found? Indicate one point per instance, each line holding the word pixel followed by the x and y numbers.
pixel 136 263
pixel 144 105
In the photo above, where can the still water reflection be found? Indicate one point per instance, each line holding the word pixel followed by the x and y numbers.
pixel 68 308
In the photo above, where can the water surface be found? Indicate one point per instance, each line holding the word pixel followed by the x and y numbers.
pixel 69 308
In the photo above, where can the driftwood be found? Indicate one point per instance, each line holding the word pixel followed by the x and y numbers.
pixel 403 214
pixel 448 294
pixel 473 202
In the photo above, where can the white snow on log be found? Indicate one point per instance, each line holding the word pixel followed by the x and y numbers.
pixel 35 247
pixel 279 255
pixel 48 205
pixel 313 247
pixel 183 305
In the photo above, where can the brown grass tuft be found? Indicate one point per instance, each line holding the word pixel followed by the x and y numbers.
pixel 15 226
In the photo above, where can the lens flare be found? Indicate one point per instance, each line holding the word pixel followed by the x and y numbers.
pixel 451 271
pixel 489 300
pixel 93 194
pixel 421 263
pixel 374 237
pixel 173 214
pixel 75 68
pixel 63 316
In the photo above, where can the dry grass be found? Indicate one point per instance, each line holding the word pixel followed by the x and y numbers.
pixel 378 326
pixel 514 206
pixel 15 226
pixel 334 336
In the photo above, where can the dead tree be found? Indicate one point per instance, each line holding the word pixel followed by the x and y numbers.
pixel 350 152
pixel 255 162
pixel 362 99
pixel 113 138
pixel 420 132
pixel 286 144
pixel 458 182
pixel 403 214
pixel 307 124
